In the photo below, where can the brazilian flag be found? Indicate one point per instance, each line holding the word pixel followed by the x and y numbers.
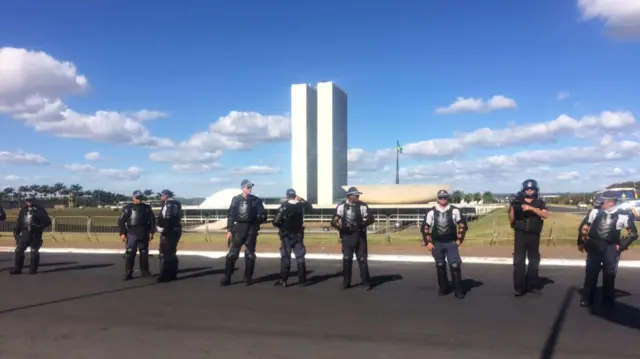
pixel 398 147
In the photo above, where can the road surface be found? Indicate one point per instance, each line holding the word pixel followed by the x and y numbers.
pixel 78 307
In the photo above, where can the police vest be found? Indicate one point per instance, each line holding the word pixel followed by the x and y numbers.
pixel 444 227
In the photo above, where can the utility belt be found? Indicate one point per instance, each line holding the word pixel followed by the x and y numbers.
pixel 527 225
pixel 445 238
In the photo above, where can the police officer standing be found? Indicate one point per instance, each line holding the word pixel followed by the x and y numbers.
pixel 289 219
pixel 169 222
pixel 137 227
pixel 32 220
pixel 351 220
pixel 443 230
pixel 3 215
pixel 244 217
pixel 526 215
pixel 601 238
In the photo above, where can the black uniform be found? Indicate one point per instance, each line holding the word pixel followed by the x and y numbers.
pixel 443 229
pixel 3 215
pixel 243 221
pixel 528 228
pixel 290 221
pixel 602 238
pixel 352 220
pixel 138 223
pixel 32 220
pixel 169 222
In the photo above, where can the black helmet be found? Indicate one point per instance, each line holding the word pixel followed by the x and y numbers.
pixel 530 184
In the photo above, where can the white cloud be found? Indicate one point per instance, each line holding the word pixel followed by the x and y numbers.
pixel 534 133
pixel 219 180
pixel 563 95
pixel 92 156
pixel 14 178
pixel 20 157
pixel 568 176
pixel 195 167
pixel 235 131
pixel 497 102
pixel 621 16
pixel 502 170
pixel 128 174
pixel 31 89
pixel 255 170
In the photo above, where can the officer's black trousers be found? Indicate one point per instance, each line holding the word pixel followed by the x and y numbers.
pixel 26 240
pixel 244 234
pixel 600 255
pixel 292 242
pixel 526 246
pixel 168 259
pixel 137 243
pixel 354 243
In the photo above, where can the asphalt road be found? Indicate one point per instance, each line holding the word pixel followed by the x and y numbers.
pixel 78 307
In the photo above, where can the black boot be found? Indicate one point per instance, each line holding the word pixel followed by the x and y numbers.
pixel 456 279
pixel 18 263
pixel 363 265
pixel 249 267
pixel 173 273
pixel 302 273
pixel 129 262
pixel 346 273
pixel 34 262
pixel 162 268
pixel 229 267
pixel 144 264
pixel 285 270
pixel 443 280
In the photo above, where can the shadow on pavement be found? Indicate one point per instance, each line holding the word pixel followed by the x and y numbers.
pixel 552 339
pixel 42 265
pixel 276 276
pixel 205 273
pixel 77 297
pixel 378 280
pixel 76 267
pixel 317 279
pixel 469 284
pixel 545 281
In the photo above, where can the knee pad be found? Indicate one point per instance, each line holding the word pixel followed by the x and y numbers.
pixel 34 251
pixel 455 265
pixel 441 264
pixel 249 255
pixel 300 253
pixel 346 258
pixel 300 259
pixel 233 254
pixel 362 259
pixel 144 251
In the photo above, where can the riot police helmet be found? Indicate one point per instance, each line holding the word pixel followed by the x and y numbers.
pixel 527 186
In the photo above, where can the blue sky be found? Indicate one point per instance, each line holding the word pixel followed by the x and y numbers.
pixel 74 78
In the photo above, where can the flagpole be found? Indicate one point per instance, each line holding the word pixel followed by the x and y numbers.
pixel 398 162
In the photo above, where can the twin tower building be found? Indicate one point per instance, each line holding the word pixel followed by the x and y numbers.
pixel 319 142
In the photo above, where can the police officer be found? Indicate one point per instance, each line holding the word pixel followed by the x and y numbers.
pixel 526 215
pixel 3 215
pixel 601 238
pixel 244 217
pixel 443 230
pixel 137 227
pixel 289 219
pixel 170 227
pixel 352 219
pixel 32 220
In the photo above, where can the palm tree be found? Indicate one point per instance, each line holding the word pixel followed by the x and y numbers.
pixel 148 192
pixel 74 191
pixel 487 197
pixel 477 196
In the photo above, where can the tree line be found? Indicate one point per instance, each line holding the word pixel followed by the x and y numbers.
pixel 72 195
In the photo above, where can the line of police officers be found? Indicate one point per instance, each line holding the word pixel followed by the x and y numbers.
pixel 443 230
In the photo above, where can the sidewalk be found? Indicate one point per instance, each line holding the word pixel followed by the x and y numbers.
pixel 483 251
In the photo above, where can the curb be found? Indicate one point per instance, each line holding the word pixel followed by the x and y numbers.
pixel 323 256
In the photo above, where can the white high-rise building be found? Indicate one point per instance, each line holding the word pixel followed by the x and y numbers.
pixel 319 142
pixel 332 142
pixel 304 143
